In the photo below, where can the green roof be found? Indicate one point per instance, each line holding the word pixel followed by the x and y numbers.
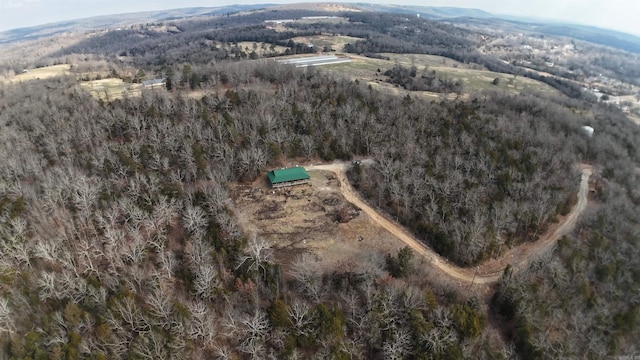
pixel 289 174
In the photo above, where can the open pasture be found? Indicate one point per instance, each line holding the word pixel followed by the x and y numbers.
pixel 336 42
pixel 111 88
pixel 41 73
pixel 474 80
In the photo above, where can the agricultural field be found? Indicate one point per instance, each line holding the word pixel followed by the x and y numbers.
pixel 41 73
pixel 336 20
pixel 336 43
pixel 262 48
pixel 634 118
pixel 111 88
pixel 474 80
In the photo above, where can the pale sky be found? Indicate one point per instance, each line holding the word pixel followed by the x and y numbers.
pixel 622 15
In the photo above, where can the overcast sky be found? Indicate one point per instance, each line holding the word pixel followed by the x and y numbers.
pixel 623 15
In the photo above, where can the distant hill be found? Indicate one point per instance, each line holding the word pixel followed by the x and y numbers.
pixel 592 34
pixel 452 14
pixel 615 39
pixel 596 35
pixel 117 20
pixel 425 11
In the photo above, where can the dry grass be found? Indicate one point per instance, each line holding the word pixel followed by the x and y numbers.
pixel 111 88
pixel 247 46
pixel 331 7
pixel 633 99
pixel 41 73
pixel 634 118
pixel 337 43
pixel 372 70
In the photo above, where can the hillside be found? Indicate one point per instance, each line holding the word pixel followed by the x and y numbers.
pixel 116 21
pixel 611 38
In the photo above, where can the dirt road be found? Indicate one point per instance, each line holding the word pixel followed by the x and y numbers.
pixel 487 273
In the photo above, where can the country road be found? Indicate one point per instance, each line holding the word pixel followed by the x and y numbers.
pixel 486 273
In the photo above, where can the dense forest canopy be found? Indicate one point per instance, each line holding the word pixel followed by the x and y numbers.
pixel 119 239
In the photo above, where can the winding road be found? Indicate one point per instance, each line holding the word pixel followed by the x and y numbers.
pixel 488 272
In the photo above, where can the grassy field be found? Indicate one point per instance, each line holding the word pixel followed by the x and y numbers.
pixel 111 88
pixel 41 73
pixel 248 47
pixel 474 80
pixel 337 43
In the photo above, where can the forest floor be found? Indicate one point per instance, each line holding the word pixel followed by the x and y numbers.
pixel 329 219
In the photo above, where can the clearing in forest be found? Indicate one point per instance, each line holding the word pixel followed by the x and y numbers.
pixel 41 73
pixel 474 78
pixel 261 48
pixel 111 88
pixel 329 219
pixel 314 218
pixel 336 42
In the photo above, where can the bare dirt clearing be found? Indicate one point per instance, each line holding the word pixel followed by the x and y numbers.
pixel 314 219
pixel 307 219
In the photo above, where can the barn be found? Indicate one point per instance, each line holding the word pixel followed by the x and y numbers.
pixel 288 177
pixel 155 83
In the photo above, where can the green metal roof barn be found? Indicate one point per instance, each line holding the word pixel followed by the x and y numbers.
pixel 288 177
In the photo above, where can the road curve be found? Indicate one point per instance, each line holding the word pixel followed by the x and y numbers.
pixel 485 273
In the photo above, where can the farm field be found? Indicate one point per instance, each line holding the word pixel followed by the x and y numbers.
pixel 41 73
pixel 262 48
pixel 111 88
pixel 366 69
pixel 337 43
pixel 634 118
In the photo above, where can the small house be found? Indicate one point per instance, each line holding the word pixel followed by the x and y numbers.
pixel 288 177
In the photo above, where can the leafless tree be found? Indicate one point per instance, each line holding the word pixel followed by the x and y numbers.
pixel 308 146
pixel 439 338
pixel 257 255
pixel 399 346
pixel 206 281
pixel 150 345
pixel 160 307
pixel 307 273
pixel 223 352
pixel 47 286
pixel 202 326
pixel 301 315
pixel 195 221
pixel 130 313
pixel 6 319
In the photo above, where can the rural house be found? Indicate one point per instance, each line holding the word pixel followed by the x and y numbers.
pixel 288 177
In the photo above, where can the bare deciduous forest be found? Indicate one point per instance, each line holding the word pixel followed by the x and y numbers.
pixel 118 237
